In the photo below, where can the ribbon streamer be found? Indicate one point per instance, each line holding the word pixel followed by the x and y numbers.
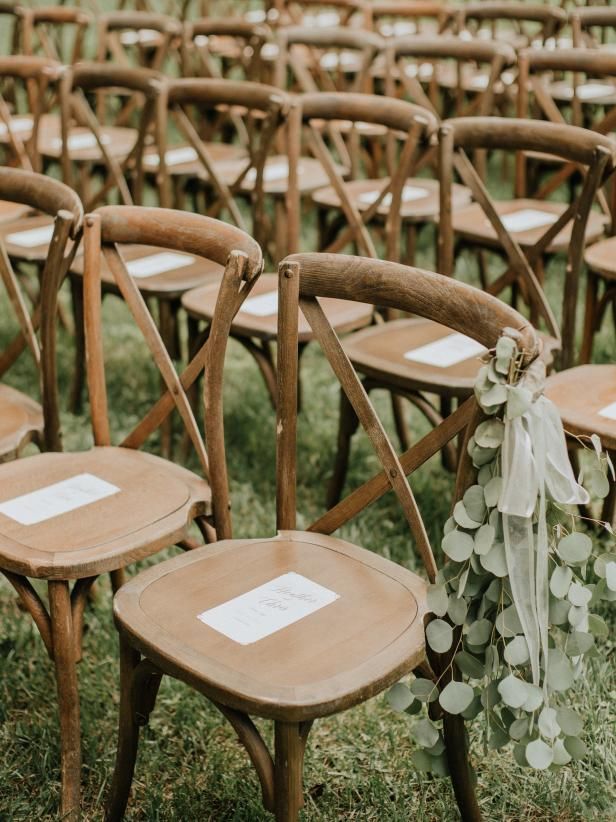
pixel 535 463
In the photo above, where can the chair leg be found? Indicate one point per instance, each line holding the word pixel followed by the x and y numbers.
pixel 128 736
pixel 68 697
pixel 397 407
pixel 347 426
pixel 79 374
pixel 590 316
pixel 288 770
pixel 459 768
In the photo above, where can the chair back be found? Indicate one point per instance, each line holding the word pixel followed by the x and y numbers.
pixel 592 153
pixel 399 18
pixel 523 23
pixel 591 26
pixel 229 48
pixel 37 322
pixel 55 32
pixel 145 38
pixel 320 13
pixel 106 230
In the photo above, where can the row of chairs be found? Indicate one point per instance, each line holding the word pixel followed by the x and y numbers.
pixel 75 516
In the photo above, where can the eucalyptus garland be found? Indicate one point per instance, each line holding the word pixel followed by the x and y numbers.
pixel 511 608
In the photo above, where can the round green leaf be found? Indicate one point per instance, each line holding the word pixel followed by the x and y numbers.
pixel 516 652
pixel 463 518
pixel 457 545
pixel 457 610
pixel 498 738
pixel 534 697
pixel 575 747
pixel 440 766
pixel 484 539
pixel 539 755
pixel 479 632
pixel 597 626
pixel 482 456
pixel 575 548
pixel 577 615
pixel 505 348
pixel 399 697
pixel 548 723
pixel 424 733
pixel 489 434
pixel 560 581
pixel 508 622
pixel 519 728
pixel 610 575
pixel 474 709
pixel 518 401
pixel 513 691
pixel 439 635
pixel 561 755
pixel 597 483
pixel 469 665
pixel 601 563
pixel 519 754
pixel 495 560
pixel 437 599
pixel 560 672
pixel 474 503
pixel 578 642
pixel 422 761
pixel 456 697
pixel 558 612
pixel 579 595
pixel 493 591
pixel 569 721
pixel 490 696
pixel 437 750
pixel 492 491
pixel 424 689
pixel 497 395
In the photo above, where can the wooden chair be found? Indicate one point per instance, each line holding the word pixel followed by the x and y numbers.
pixel 396 18
pixel 230 48
pixel 521 23
pixel 591 26
pixel 368 629
pixel 256 325
pixel 55 32
pixel 22 420
pixel 137 503
pixel 418 360
pixel 148 39
pixel 319 13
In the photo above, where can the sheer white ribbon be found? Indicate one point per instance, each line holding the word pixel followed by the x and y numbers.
pixel 535 463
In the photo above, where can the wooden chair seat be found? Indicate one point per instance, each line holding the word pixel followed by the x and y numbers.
pixel 21 127
pixel 337 656
pixel 581 394
pixel 590 92
pixel 344 316
pixel 168 284
pixel 9 212
pixel 379 353
pixel 473 80
pixel 155 504
pixel 601 257
pixel 472 224
pixel 82 145
pixel 311 175
pixel 182 160
pixel 420 199
pixel 32 247
pixel 21 421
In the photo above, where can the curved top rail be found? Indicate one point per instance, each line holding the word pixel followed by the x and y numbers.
pixel 40 192
pixel 372 108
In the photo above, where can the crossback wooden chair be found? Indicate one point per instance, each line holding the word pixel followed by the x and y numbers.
pixel 365 627
pixel 369 209
pixel 148 39
pixel 320 13
pixel 419 360
pixel 522 23
pixel 396 18
pixel 74 516
pixel 593 26
pixel 55 32
pixel 230 48
pixel 22 419
pixel 526 230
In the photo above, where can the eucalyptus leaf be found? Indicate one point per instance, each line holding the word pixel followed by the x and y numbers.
pixel 519 728
pixel 601 563
pixel 513 691
pixel 560 672
pixel 597 626
pixel 516 652
pixel 424 689
pixel 456 697
pixel 570 723
pixel 534 697
pixel 482 456
pixel 492 660
pixel 519 400
pixel 493 591
pixel 597 483
pixel 548 723
pixel 489 434
pixel 492 491
pixel 508 622
pixel 458 545
pixel 561 754
pixel 539 755
pixel 457 610
pixel 463 518
pixel 437 599
pixel 440 766
pixel 479 632
pixel 505 348
pixel 558 612
pixel 439 635
pixel 422 761
pixel 399 697
pixel 495 561
pixel 469 665
pixel 575 548
pixel 498 739
pixel 577 615
pixel 519 754
pixel 579 595
pixel 578 642
pixel 474 503
pixel 484 539
pixel 610 575
pixel 474 709
pixel 425 733
pixel 484 475
pixel 575 747
pixel 497 395
pixel 462 581
pixel 438 748
pixel 560 581
pixel 490 697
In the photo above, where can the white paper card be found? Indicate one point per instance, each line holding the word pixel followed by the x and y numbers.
pixel 56 499
pixel 323 19
pixel 345 59
pixel 269 608
pixel 78 141
pixel 409 193
pixel 131 38
pixel 586 91
pixel 158 263
pixel 262 306
pixel 609 411
pixel 17 124
pixel 31 238
pixel 527 218
pixel 173 157
pixel 272 171
pixel 480 81
pixel 446 352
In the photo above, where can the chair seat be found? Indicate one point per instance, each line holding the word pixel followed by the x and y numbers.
pixel 472 224
pixel 311 175
pixel 21 421
pixel 28 239
pixel 448 367
pixel 9 212
pixel 334 657
pixel 151 509
pixel 420 198
pixel 582 394
pixel 601 257
pixel 260 318
pixel 82 145
pixel 590 92
pixel 183 160
pixel 181 272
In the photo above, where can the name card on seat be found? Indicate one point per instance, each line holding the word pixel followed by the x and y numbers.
pixel 17 125
pixel 609 412
pixel 157 264
pixel 409 193
pixel 448 351
pixel 31 238
pixel 56 499
pixel 262 306
pixel 173 157
pixel 527 218
pixel 269 608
